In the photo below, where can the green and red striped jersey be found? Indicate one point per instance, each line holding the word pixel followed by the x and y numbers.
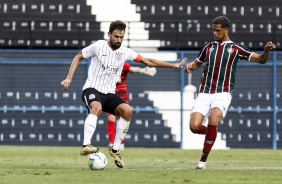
pixel 221 61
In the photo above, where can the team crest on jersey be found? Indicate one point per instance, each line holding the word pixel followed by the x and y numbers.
pixel 92 96
pixel 230 50
pixel 211 49
pixel 118 56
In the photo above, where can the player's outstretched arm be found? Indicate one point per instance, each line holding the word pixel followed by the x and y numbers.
pixel 75 63
pixel 157 63
pixel 262 58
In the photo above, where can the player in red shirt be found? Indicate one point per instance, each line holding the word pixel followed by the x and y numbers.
pixel 122 91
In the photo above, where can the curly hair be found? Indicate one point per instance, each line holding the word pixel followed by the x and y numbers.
pixel 118 24
pixel 222 20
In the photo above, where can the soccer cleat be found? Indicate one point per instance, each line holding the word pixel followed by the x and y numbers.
pixel 88 150
pixel 118 159
pixel 201 165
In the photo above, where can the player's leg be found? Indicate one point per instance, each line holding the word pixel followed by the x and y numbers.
pixel 196 126
pixel 117 106
pixel 200 109
pixel 219 108
pixel 95 109
pixel 111 129
pixel 123 93
pixel 125 113
pixel 121 147
pixel 211 133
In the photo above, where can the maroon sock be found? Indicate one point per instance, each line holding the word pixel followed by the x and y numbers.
pixel 209 141
pixel 202 130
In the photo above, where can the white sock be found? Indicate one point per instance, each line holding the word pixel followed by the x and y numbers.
pixel 89 128
pixel 121 130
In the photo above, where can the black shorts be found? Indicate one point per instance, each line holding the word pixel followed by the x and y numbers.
pixel 109 101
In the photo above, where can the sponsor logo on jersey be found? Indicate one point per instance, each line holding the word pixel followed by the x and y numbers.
pixel 110 69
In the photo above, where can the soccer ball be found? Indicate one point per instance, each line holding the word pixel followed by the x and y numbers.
pixel 97 161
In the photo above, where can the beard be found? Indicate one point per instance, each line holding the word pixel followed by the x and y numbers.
pixel 115 45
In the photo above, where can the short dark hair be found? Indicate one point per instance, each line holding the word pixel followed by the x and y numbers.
pixel 222 20
pixel 118 24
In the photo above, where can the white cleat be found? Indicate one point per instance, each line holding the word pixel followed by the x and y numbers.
pixel 201 165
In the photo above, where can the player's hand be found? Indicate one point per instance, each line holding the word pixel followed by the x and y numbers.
pixel 149 71
pixel 66 83
pixel 269 46
pixel 181 64
pixel 187 68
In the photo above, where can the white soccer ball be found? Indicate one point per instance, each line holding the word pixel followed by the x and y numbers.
pixel 97 161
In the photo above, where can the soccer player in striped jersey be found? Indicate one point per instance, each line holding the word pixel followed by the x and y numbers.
pixel 98 92
pixel 214 96
pixel 122 91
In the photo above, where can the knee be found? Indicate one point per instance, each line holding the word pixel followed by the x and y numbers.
pixel 194 127
pixel 124 111
pixel 127 114
pixel 96 111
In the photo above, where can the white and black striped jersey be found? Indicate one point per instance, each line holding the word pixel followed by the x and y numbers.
pixel 106 65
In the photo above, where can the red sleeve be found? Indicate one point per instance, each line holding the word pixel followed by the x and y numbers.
pixel 138 58
pixel 126 67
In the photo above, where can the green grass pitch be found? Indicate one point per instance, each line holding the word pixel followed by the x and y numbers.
pixel 64 165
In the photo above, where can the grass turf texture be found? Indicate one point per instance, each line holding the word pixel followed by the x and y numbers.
pixel 60 165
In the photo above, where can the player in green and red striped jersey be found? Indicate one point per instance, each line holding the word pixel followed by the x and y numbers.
pixel 221 57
